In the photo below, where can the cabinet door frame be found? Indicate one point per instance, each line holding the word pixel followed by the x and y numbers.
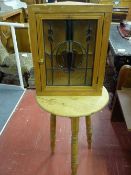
pixel 36 18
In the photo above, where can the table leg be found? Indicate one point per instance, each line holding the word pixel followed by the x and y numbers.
pixel 88 131
pixel 52 132
pixel 74 144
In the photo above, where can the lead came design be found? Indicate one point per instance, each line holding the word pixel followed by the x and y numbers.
pixel 69 51
pixel 69 44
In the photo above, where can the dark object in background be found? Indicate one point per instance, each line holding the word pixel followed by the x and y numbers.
pixel 125 29
pixel 51 1
pixel 119 14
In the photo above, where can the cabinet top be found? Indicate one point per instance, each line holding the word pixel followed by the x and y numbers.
pixel 68 6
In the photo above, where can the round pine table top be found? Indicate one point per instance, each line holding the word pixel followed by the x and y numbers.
pixel 73 106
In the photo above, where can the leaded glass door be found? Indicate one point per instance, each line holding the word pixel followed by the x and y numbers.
pixel 68 49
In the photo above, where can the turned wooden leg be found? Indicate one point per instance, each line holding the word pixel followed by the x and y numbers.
pixel 88 131
pixel 74 144
pixel 52 132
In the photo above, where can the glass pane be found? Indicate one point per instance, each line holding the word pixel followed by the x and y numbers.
pixel 69 49
pixel 57 77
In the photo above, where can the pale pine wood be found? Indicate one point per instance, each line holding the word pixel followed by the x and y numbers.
pixel 73 106
pixel 76 107
pixel 67 10
pixel 52 132
pixel 98 50
pixel 71 90
pixel 61 7
pixel 74 144
pixel 34 49
pixel 41 60
pixel 88 131
pixel 104 47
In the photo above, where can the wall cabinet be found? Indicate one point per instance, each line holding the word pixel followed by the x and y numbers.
pixel 69 45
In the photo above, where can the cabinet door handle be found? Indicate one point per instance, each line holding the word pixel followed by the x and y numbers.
pixel 41 61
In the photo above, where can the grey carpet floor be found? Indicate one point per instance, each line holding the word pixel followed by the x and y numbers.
pixel 9 98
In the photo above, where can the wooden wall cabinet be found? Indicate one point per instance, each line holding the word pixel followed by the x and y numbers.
pixel 69 46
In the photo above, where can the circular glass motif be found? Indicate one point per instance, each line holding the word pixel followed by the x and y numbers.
pixel 69 55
